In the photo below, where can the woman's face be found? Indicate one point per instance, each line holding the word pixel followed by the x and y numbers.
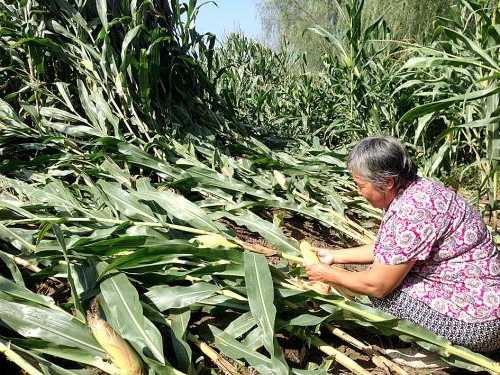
pixel 377 198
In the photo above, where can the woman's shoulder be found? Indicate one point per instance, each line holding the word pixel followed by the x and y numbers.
pixel 424 189
pixel 428 197
pixel 428 185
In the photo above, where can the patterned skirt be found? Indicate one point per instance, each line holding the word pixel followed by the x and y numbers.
pixel 479 337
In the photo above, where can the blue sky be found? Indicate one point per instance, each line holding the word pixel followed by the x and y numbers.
pixel 229 16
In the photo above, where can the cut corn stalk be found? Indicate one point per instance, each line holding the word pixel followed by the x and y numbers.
pixel 350 339
pixel 340 357
pixel 18 360
pixel 329 350
pixel 222 363
pixel 381 361
pixel 378 360
pixel 121 353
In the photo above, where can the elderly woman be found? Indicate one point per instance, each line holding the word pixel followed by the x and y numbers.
pixel 433 262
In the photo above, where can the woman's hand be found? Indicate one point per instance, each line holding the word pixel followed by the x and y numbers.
pixel 354 255
pixel 325 256
pixel 319 272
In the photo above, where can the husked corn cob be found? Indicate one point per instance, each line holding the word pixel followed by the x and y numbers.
pixel 308 253
pixel 121 353
pixel 310 257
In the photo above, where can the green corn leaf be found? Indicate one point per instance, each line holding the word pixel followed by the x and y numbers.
pixel 445 103
pixel 306 320
pixel 54 326
pixel 25 346
pixel 267 230
pixel 254 339
pixel 76 299
pixel 13 268
pixel 126 203
pixel 182 349
pixel 12 236
pixel 129 37
pixel 182 209
pixel 474 47
pixel 241 325
pixel 102 11
pixel 260 294
pixel 126 316
pixel 235 350
pixel 176 297
pixel 59 114
pixel 22 293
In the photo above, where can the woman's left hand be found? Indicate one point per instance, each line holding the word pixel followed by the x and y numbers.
pixel 319 272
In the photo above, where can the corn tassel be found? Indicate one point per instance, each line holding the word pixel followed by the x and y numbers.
pixel 121 353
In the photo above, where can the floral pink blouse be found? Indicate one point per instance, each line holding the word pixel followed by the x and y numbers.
pixel 457 269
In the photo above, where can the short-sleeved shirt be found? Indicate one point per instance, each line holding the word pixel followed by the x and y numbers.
pixel 457 269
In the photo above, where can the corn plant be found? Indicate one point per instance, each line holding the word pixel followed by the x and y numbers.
pixel 349 98
pixel 457 78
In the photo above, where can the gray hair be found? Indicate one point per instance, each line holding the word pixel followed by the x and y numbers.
pixel 377 159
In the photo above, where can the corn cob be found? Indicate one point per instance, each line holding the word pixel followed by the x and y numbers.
pixel 310 257
pixel 308 253
pixel 121 353
pixel 213 240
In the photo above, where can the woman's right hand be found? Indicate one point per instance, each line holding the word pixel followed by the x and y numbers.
pixel 325 256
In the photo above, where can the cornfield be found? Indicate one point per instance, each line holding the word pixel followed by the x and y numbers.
pixel 148 180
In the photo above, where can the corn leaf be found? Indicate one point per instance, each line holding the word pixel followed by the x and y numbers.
pixel 126 317
pixel 176 297
pixel 57 327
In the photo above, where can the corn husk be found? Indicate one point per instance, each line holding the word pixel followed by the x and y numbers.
pixel 317 286
pixel 120 352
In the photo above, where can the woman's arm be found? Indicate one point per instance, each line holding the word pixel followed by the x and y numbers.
pixel 354 255
pixel 377 281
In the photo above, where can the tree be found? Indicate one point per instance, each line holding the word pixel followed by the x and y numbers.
pixel 289 20
pixel 410 20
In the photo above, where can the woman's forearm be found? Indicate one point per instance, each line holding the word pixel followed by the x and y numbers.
pixel 361 282
pixel 376 281
pixel 354 255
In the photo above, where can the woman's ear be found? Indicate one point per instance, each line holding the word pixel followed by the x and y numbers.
pixel 390 183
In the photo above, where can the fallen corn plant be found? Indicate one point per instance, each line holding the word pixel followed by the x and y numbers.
pixel 158 257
